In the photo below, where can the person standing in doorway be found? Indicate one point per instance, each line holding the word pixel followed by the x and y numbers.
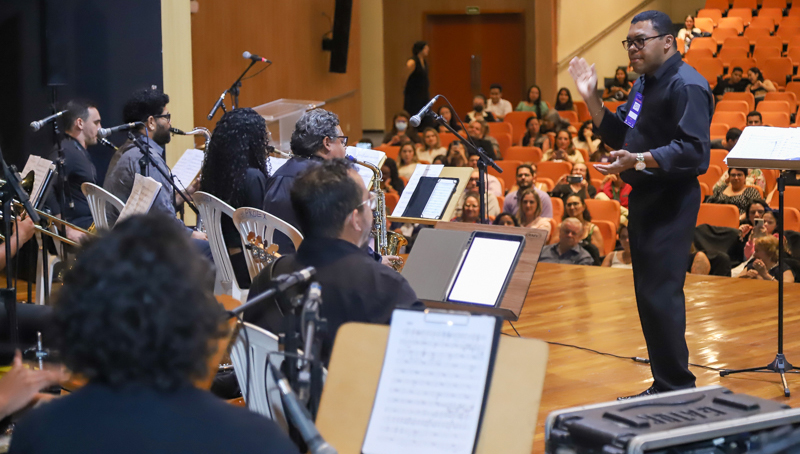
pixel 416 93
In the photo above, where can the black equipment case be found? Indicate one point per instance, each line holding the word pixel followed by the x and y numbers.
pixel 703 420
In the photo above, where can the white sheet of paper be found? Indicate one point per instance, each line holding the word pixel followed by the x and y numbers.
pixel 420 171
pixel 188 166
pixel 275 164
pixel 484 271
pixel 437 202
pixel 374 157
pixel 764 142
pixel 41 167
pixel 432 384
pixel 143 194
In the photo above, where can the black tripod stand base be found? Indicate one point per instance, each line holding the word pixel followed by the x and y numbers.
pixel 779 365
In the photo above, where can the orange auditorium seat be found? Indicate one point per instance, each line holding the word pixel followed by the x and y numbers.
pixel 791 198
pixel 721 34
pixel 613 105
pixel 794 41
pixel 776 119
pixel 754 34
pixel 718 159
pixel 517 120
pixel 391 199
pixel 744 63
pixel 732 119
pixel 503 142
pixel 774 106
pixel 392 151
pixel 728 54
pixel 772 4
pixel 791 218
pixel 721 5
pixel 605 210
pixel 718 130
pixel 523 154
pixel 793 54
pixel 733 106
pixel 793 87
pixel 692 55
pixel 746 14
pixel 704 191
pixel 747 97
pixel 553 170
pixel 718 214
pixel 509 175
pixel 548 183
pixel 500 127
pixel 769 41
pixel 777 70
pixel 791 21
pixel 794 12
pixel 558 208
pixel 609 235
pixel 711 13
pixel 762 54
pixel 746 4
pixel 569 115
pixel 711 177
pixel 704 43
pixel 741 42
pixel 770 179
pixel 705 24
pixel 775 13
pixel 736 23
pixel 765 22
pixel 710 68
pixel 787 32
pixel 445 138
pixel 583 111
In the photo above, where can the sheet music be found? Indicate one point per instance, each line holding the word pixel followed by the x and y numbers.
pixel 374 157
pixel 275 164
pixel 439 198
pixel 419 172
pixel 188 166
pixel 41 167
pixel 767 143
pixel 432 384
pixel 143 194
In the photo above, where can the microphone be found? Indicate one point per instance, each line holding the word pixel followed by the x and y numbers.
pixel 300 417
pixel 37 125
pixel 250 56
pixel 417 119
pixel 108 144
pixel 105 132
pixel 282 283
pixel 217 105
pixel 177 131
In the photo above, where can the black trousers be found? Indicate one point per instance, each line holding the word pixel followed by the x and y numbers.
pixel 661 227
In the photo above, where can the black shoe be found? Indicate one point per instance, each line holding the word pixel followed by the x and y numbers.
pixel 651 391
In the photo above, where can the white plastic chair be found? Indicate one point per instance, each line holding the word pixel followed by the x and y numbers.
pixel 52 261
pixel 99 199
pixel 211 211
pixel 262 382
pixel 264 225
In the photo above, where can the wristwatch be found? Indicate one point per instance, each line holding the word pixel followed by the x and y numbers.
pixel 640 165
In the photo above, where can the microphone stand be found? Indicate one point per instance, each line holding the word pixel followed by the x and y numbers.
pixel 483 161
pixel 144 164
pixel 234 90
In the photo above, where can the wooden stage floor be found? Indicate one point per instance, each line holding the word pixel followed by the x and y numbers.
pixel 731 323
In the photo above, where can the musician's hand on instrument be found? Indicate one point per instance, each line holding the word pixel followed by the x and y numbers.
pixel 26 230
pixel 390 260
pixel 20 386
pixel 194 186
pixel 199 235
pixel 75 235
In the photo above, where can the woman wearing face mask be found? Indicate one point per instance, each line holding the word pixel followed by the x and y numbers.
pixel 479 111
pixel 401 128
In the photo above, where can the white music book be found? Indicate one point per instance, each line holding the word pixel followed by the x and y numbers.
pixel 765 147
pixel 420 171
pixel 374 157
pixel 188 166
pixel 41 167
pixel 439 198
pixel 143 194
pixel 433 383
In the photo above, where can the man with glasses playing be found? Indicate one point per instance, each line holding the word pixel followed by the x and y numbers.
pixel 317 137
pixel 334 211
pixel 662 140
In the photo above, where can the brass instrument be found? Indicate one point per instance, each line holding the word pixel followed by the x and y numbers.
pixel 194 132
pixel 261 254
pixel 386 241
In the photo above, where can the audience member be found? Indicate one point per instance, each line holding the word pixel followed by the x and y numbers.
pixel 408 160
pixel 475 131
pixel 530 211
pixel 619 88
pixel 764 263
pixel 439 160
pixel 497 105
pixel 533 102
pixel 485 135
pixel 470 210
pixel 736 192
pixel 586 139
pixel 603 153
pixel 734 83
pixel 758 86
pixel 137 321
pixel 768 226
pixel 493 184
pixel 431 146
pixel 533 136
pixel 620 258
pixel 687 33
pixel 564 100
pixel 456 154
pixel 526 177
pixel 447 116
pixel 754 119
pixel 755 177
pixel 568 249
pixel 571 184
pixel 492 205
pixel 391 183
pixel 506 219
pixel 591 238
pixel 727 143
pixel 563 150
pixel 415 93
pixel 400 130
pixel 614 188
pixel 479 111
pixel 553 122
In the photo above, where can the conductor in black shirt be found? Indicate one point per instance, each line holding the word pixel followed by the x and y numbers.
pixel 334 210
pixel 137 320
pixel 662 138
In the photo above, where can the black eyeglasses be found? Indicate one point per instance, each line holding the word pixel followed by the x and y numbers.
pixel 639 43
pixel 344 139
pixel 167 116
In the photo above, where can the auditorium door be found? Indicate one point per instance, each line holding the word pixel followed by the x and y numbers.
pixel 468 53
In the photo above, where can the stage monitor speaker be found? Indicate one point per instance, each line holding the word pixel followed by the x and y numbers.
pixel 340 41
pixel 54 42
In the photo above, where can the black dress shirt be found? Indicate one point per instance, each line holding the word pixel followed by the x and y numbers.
pixel 725 86
pixel 97 419
pixel 277 201
pixel 78 169
pixel 355 288
pixel 673 125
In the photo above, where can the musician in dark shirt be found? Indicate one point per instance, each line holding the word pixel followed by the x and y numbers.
pixel 137 321
pixel 316 137
pixel 662 138
pixel 334 210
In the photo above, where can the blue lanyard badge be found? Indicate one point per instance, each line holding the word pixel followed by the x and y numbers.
pixel 636 108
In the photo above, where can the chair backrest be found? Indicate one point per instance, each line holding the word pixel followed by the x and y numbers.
pixel 711 177
pixel 718 158
pixel 262 224
pixel 787 96
pixel 583 111
pixel 731 50
pixel 733 106
pixel 712 13
pixel 776 119
pixel 704 191
pixel 791 198
pixel 762 54
pixel 766 22
pixel 754 34
pixel 772 5
pixel 722 33
pixel 705 24
pixel 774 106
pixel 609 232
pixel 523 154
pixel 606 210
pixel 262 344
pixel 558 208
pixel 504 142
pixel 793 87
pixel 517 120
pixel 732 119
pixel 718 130
pixel 391 199
pixel 721 215
pixel 509 175
pixel 776 69
pixel 694 55
pixel 98 200
pixel 211 211
pixel 500 127
pixel 721 5
pixel 392 151
pixel 569 115
pixel 734 22
pixel 791 219
pixel 614 105
pixel 744 63
pixel 710 68
pixel 553 170
pixel 770 179
pixel 749 5
pixel 774 13
pixel 794 12
pixel 747 97
pixel 786 32
pixel 445 138
pixel 704 43
pixel 769 41
pixel 793 53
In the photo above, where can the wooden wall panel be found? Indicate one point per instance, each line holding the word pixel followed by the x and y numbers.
pixel 287 32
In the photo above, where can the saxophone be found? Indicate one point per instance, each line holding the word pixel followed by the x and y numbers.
pixel 386 241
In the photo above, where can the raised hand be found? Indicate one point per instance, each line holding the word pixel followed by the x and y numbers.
pixel 585 77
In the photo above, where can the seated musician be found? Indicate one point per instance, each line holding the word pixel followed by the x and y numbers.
pixel 334 210
pixel 137 322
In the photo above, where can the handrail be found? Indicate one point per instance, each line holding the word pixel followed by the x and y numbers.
pixel 588 44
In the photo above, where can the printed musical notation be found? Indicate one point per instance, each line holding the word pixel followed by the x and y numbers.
pixel 432 385
pixel 143 194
